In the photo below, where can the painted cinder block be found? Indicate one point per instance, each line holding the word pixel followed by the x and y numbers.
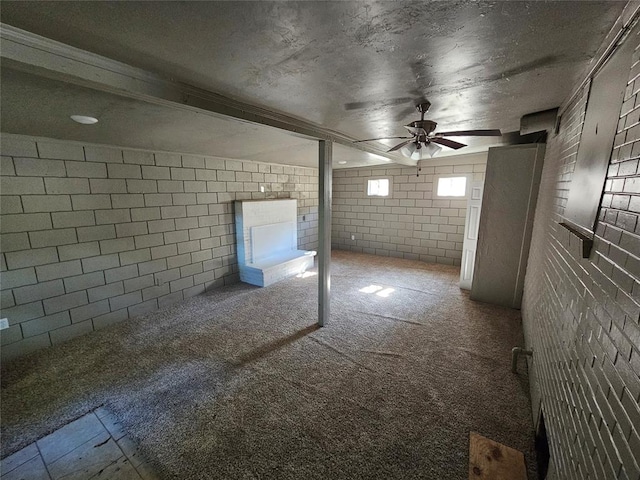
pixel 65 302
pixel 10 204
pixel 168 160
pixel 158 200
pixel 105 291
pixel 84 281
pixel 135 256
pixel 73 219
pixel 138 157
pixel 155 292
pixel 101 262
pixel 58 270
pixel 80 250
pixel 156 226
pixel 122 215
pixel 99 185
pixel 10 335
pixel 151 240
pixel 164 251
pixel 113 212
pixel 115 170
pixel 6 299
pixel 144 214
pixel 18 278
pixel 91 202
pixel 90 310
pixel 11 242
pixel 22 186
pixel 52 238
pixel 170 186
pixel 121 273
pixel 183 174
pixel 142 186
pixel 181 284
pixel 39 291
pixel 35 167
pixel 66 186
pixel 183 198
pixel 127 200
pixel 138 283
pixel 116 245
pixel 46 203
pixel 126 300
pixel 156 173
pixel 173 212
pixel 24 312
pixel 153 266
pixel 94 153
pixel 60 150
pixel 86 169
pixel 30 258
pixel 178 260
pixel 186 223
pixel 18 146
pixel 166 276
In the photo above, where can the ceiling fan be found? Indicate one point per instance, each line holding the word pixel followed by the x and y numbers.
pixel 424 142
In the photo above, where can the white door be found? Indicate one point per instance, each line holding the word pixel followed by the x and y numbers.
pixel 470 242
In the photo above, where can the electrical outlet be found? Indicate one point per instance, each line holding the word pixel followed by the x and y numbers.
pixel 353 237
pixel 4 323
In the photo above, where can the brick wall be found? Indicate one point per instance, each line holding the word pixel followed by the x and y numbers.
pixel 411 222
pixel 581 315
pixel 92 235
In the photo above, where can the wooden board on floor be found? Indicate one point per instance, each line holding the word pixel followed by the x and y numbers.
pixel 489 460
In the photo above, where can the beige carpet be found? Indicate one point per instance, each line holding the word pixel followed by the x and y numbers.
pixel 239 384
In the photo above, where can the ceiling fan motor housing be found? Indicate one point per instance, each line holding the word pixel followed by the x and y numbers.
pixel 427 125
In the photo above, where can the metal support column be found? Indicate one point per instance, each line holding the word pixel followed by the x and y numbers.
pixel 324 231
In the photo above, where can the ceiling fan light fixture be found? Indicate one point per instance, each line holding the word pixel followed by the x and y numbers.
pixel 432 149
pixel 409 149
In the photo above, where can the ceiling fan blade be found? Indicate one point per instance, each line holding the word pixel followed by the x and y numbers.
pixel 448 143
pixel 380 138
pixel 416 130
pixel 399 146
pixel 470 133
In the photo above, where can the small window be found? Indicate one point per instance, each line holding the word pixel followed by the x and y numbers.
pixel 452 187
pixel 378 187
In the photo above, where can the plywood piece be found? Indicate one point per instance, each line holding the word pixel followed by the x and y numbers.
pixel 489 460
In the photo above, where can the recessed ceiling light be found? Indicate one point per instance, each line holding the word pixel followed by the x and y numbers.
pixel 84 120
pixel 342 162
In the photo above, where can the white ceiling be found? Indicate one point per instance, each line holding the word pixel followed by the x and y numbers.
pixel 356 68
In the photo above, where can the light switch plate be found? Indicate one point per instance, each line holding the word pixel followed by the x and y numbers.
pixel 4 323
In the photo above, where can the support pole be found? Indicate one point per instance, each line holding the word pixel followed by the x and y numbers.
pixel 324 230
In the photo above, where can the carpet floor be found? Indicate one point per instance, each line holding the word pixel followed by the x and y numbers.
pixel 239 383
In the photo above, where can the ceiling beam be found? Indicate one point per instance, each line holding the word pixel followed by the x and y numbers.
pixel 28 52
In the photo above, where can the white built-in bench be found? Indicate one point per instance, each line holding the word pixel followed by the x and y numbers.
pixel 267 237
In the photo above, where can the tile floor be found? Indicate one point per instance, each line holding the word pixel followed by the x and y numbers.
pixel 91 447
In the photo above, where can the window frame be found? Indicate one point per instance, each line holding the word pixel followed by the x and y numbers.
pixel 436 181
pixel 369 179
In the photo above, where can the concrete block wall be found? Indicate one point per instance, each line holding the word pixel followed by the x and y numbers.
pixel 411 223
pixel 91 235
pixel 581 316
